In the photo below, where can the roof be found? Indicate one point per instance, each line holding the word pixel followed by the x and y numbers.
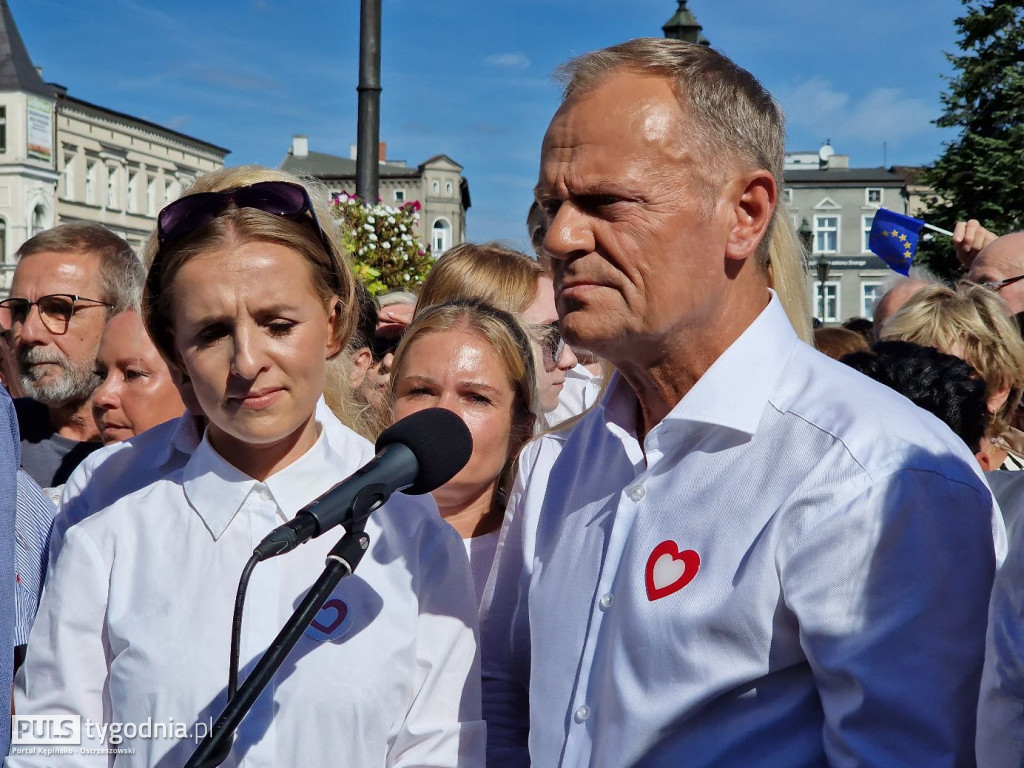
pixel 840 176
pixel 322 165
pixel 17 72
pixel 62 96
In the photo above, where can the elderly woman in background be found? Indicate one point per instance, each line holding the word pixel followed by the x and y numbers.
pixel 512 282
pixel 136 390
pixel 474 360
pixel 248 296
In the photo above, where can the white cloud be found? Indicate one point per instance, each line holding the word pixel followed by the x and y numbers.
pixel 815 107
pixel 515 60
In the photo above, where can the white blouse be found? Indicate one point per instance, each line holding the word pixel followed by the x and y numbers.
pixel 135 626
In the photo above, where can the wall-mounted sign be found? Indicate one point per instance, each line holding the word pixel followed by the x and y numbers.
pixel 40 128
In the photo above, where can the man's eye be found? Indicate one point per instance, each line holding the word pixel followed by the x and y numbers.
pixel 281 327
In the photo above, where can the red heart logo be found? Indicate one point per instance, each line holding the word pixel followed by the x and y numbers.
pixel 669 570
pixel 341 611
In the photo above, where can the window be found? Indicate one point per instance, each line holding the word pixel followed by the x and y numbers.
pixel 172 191
pixel 873 195
pixel 112 190
pixel 133 192
pixel 69 177
pixel 865 228
pixel 787 196
pixel 870 293
pixel 830 312
pixel 399 195
pixel 448 189
pixel 38 220
pixel 151 197
pixel 3 240
pixel 434 187
pixel 440 236
pixel 91 183
pixel 3 129
pixel 826 234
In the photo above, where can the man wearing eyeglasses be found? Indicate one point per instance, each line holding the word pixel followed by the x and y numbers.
pixel 1000 266
pixel 68 281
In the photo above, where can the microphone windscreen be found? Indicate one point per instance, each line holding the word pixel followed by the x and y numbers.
pixel 439 440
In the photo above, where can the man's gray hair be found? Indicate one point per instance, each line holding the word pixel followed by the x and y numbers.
pixel 738 120
pixel 121 272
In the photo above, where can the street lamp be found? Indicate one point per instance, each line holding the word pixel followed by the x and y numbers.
pixel 822 267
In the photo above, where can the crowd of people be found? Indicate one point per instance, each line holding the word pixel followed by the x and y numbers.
pixel 685 534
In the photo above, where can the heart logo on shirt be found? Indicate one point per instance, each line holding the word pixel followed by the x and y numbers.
pixel 669 570
pixel 331 622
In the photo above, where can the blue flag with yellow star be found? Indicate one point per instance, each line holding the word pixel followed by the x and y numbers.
pixel 893 238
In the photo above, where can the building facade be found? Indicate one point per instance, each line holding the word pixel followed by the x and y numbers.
pixel 66 160
pixel 833 205
pixel 438 185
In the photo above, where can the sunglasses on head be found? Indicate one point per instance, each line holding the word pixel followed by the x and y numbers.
pixel 279 198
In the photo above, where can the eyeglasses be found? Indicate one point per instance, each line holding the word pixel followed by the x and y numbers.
pixel 997 285
pixel 551 344
pixel 55 310
pixel 279 198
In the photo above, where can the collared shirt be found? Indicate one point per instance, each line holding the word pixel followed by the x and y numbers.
pixel 1001 704
pixel 134 626
pixel 791 569
pixel 122 468
pixel 31 532
pixel 579 392
pixel 10 458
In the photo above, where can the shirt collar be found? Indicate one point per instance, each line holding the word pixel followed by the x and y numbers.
pixel 216 489
pixel 733 392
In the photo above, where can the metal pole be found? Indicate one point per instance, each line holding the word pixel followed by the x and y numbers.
pixel 368 128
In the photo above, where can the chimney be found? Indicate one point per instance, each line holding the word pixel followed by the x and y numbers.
pixel 382 149
pixel 300 146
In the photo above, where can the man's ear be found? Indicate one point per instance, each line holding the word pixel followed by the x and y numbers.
pixel 359 363
pixel 753 196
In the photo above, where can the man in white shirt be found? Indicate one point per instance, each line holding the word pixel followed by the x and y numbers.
pixel 746 553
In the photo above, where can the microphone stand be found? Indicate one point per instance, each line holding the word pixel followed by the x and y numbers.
pixel 341 562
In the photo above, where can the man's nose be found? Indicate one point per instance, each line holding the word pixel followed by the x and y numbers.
pixel 569 233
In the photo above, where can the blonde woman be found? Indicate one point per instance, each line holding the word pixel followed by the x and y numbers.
pixel 512 282
pixel 974 324
pixel 475 360
pixel 248 297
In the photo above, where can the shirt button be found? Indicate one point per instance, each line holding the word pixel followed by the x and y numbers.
pixel 606 601
pixel 265 494
pixel 637 492
pixel 582 714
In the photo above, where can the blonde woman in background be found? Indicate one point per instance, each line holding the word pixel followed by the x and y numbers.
pixel 974 324
pixel 475 360
pixel 512 282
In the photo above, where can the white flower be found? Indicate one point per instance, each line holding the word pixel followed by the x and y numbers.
pixel 391 219
pixel 405 258
pixel 402 228
pixel 373 238
pixel 405 275
pixel 371 220
pixel 386 245
pixel 372 247
pixel 367 227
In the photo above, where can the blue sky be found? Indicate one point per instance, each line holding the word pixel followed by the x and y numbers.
pixel 472 78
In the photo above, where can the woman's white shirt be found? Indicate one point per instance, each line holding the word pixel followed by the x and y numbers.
pixel 135 626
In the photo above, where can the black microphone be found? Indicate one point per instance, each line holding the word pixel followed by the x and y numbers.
pixel 421 452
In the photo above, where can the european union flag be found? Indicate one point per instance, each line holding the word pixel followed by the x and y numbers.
pixel 893 238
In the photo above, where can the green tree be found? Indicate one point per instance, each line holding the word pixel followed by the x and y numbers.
pixel 385 253
pixel 980 173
